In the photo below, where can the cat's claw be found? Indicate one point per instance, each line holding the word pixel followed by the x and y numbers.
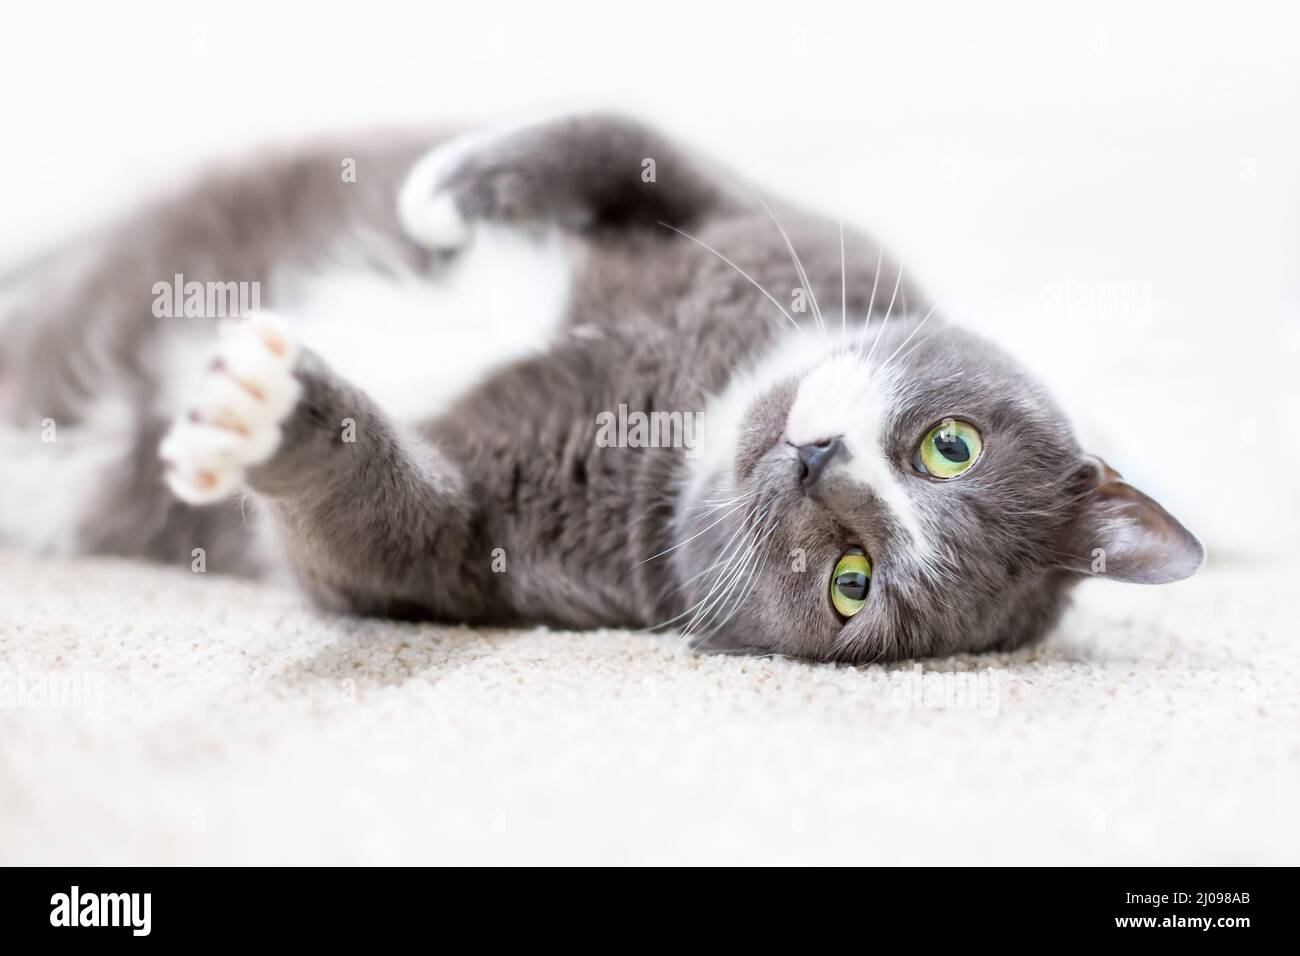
pixel 234 421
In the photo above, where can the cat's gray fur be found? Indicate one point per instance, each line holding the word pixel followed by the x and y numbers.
pixel 405 524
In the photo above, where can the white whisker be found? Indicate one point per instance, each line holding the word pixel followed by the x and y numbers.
pixel 713 504
pixel 921 341
pixel 844 293
pixel 898 280
pixel 724 550
pixel 735 577
pixel 871 304
pixel 754 579
pixel 752 281
pixel 692 537
pixel 798 264
pixel 919 325
pixel 723 578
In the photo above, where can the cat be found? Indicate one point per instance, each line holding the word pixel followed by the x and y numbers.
pixel 417 420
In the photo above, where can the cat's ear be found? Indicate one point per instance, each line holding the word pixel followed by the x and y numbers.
pixel 1118 532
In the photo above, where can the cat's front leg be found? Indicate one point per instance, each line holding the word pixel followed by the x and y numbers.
pixel 374 519
pixel 580 173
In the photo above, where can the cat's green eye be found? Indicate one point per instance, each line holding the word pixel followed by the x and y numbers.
pixel 949 449
pixel 851 582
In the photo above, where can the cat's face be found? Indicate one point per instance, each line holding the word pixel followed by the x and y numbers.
pixel 933 501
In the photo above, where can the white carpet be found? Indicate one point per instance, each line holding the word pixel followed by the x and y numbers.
pixel 230 723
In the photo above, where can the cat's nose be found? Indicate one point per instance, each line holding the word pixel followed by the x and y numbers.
pixel 814 457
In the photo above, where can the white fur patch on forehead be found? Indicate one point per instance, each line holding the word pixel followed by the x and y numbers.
pixel 717 439
pixel 838 398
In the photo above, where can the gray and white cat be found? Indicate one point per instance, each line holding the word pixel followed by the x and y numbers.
pixel 420 424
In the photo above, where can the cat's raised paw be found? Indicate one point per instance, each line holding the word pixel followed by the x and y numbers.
pixel 248 389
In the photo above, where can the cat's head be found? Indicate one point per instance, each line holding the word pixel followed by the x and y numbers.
pixel 926 500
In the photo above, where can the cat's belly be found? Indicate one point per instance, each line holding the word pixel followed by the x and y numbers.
pixel 415 343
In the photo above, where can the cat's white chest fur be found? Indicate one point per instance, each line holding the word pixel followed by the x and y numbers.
pixel 416 343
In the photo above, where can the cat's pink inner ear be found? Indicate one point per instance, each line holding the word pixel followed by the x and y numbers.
pixel 1121 533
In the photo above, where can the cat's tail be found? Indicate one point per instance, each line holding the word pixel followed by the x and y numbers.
pixel 9 311
pixel 17 294
pixel 20 284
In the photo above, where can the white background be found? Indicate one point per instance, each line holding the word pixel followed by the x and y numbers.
pixel 1022 161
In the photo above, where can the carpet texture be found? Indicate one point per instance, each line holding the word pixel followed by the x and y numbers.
pixel 204 719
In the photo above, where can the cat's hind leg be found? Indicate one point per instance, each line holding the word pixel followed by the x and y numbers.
pixel 581 173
